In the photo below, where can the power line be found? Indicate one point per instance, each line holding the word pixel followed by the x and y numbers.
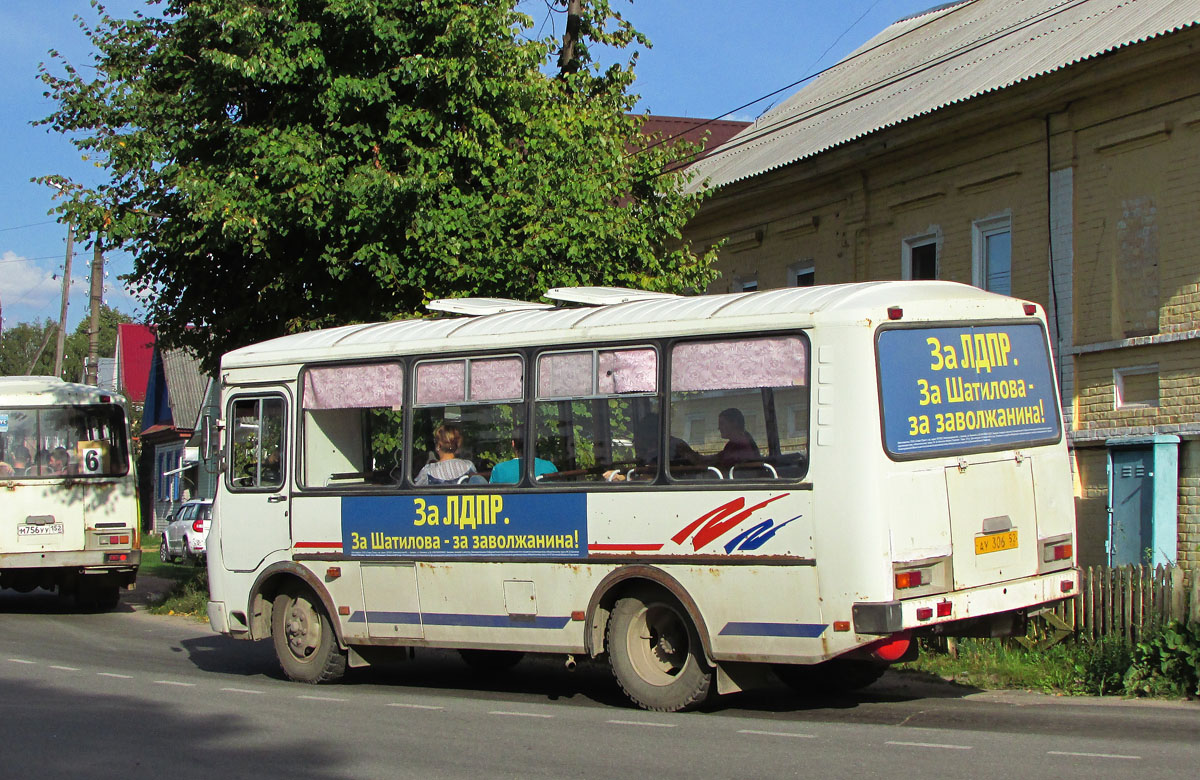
pixel 32 224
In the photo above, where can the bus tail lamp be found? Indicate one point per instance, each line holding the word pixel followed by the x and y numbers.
pixel 944 608
pixel 895 313
pixel 1066 586
pixel 1030 309
pixel 116 557
pixel 893 648
pixel 1057 552
pixel 914 578
pixel 924 613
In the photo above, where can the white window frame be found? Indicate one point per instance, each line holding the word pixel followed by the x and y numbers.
pixel 802 268
pixel 981 229
pixel 907 245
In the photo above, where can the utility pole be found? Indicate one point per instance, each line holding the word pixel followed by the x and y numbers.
pixel 97 298
pixel 62 312
pixel 567 63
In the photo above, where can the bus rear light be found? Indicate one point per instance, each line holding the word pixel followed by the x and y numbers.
pixel 893 648
pixel 895 313
pixel 924 613
pixel 1066 586
pixel 116 557
pixel 1058 552
pixel 914 578
pixel 1030 309
pixel 943 608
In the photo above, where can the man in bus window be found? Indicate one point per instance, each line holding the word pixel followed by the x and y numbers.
pixel 19 455
pixel 60 461
pixel 740 445
pixel 509 471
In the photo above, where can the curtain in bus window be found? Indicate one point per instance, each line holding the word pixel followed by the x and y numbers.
pixel 354 387
pixel 441 383
pixel 498 379
pixel 731 365
pixel 628 371
pixel 565 375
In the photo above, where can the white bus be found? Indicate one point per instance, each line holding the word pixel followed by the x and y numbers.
pixel 68 496
pixel 849 467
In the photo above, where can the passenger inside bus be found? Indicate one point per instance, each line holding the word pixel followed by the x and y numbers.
pixel 448 468
pixel 60 461
pixel 509 471
pixel 645 448
pixel 19 457
pixel 740 445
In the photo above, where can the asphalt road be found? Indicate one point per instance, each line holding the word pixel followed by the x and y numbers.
pixel 129 694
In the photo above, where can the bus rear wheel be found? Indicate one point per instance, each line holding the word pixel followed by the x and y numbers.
pixel 655 653
pixel 304 641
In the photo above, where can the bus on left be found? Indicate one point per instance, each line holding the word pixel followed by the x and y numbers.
pixel 68 503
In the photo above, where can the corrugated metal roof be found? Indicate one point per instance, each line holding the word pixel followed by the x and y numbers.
pixel 929 61
pixel 185 386
pixel 752 311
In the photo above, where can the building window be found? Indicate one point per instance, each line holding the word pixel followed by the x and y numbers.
pixel 992 254
pixel 749 285
pixel 802 274
pixel 1135 387
pixel 919 257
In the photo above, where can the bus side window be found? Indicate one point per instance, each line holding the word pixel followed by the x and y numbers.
pixel 353 425
pixel 590 404
pixel 742 405
pixel 256 446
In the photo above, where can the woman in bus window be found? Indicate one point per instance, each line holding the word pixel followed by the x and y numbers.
pixel 448 468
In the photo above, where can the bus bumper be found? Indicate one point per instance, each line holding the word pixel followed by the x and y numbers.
pixel 90 561
pixel 890 617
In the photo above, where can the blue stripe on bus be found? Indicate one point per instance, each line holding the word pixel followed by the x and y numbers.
pixel 452 619
pixel 802 630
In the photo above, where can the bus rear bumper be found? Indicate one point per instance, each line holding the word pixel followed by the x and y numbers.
pixel 890 617
pixel 90 561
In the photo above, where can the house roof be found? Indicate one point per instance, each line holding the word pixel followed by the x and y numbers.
pixel 926 62
pixel 692 129
pixel 185 386
pixel 135 351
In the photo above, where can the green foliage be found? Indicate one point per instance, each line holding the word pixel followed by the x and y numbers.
pixel 21 343
pixel 1166 662
pixel 280 165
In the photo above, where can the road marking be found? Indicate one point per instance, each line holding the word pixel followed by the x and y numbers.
pixel 320 698
pixel 416 706
pixel 65 668
pixel 931 745
pixel 643 723
pixel 114 674
pixel 521 714
pixel 776 733
pixel 175 683
pixel 1092 755
pixel 23 661
pixel 243 690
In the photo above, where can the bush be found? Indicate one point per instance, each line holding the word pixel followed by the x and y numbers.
pixel 1166 662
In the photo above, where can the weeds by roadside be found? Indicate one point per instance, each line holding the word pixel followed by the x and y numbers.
pixel 1165 663
pixel 188 595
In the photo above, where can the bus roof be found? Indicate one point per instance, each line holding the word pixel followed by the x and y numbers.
pixel 49 391
pixel 676 315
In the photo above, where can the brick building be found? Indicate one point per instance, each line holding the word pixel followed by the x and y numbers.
pixel 1045 149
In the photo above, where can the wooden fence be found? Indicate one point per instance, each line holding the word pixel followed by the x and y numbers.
pixel 1125 601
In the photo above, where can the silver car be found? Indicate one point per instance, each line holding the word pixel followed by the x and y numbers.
pixel 187 532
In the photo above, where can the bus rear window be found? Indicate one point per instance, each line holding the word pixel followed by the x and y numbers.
pixel 958 389
pixel 57 441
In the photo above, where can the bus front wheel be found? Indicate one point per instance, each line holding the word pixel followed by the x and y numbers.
pixel 655 653
pixel 304 640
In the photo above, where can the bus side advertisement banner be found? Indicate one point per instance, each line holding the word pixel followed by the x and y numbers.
pixel 484 525
pixel 965 388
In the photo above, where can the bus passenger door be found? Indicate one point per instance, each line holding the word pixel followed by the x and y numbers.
pixel 253 513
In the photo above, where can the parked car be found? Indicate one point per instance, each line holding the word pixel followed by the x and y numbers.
pixel 187 531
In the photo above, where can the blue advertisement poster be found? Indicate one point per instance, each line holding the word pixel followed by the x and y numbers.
pixel 470 525
pixel 965 388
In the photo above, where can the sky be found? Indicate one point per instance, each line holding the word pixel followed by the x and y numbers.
pixel 709 58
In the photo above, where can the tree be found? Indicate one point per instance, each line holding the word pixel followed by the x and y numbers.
pixel 279 165
pixel 21 343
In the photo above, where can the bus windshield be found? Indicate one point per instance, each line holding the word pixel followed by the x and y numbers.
pixel 58 441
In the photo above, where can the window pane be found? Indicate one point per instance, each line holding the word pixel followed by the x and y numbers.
pixel 256 443
pixel 460 444
pixel 923 261
pixel 628 371
pixel 713 365
pixel 68 440
pixel 497 379
pixel 441 383
pixel 566 375
pixel 598 439
pixel 998 257
pixel 354 387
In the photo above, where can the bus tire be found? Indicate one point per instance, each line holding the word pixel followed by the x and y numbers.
pixel 491 661
pixel 655 653
pixel 304 641
pixel 829 678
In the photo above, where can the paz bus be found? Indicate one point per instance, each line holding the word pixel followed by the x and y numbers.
pixel 68 503
pixel 846 468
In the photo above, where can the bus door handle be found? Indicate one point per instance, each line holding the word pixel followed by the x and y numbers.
pixel 275 499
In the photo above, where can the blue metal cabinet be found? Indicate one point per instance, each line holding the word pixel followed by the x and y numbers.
pixel 1143 477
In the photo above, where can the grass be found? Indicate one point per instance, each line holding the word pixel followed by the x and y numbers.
pixel 188 595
